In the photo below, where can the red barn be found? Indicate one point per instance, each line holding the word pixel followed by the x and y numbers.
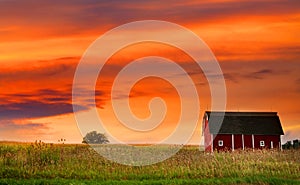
pixel 241 130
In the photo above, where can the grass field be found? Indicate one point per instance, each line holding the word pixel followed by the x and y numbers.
pixel 79 164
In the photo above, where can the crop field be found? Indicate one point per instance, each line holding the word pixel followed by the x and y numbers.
pixel 39 163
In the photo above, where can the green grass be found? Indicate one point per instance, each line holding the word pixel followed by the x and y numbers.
pixel 221 181
pixel 79 164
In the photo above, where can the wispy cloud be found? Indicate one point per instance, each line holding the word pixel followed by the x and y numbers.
pixel 41 70
pixel 260 74
pixel 61 18
pixel 14 125
pixel 297 84
pixel 22 130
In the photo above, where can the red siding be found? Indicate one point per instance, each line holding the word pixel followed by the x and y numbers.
pixel 207 136
pixel 267 139
pixel 226 142
pixel 248 141
pixel 238 142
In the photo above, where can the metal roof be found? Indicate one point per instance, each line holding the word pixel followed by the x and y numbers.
pixel 259 123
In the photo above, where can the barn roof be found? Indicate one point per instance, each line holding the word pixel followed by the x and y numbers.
pixel 259 123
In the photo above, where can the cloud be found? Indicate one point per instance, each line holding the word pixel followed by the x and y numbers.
pixel 43 95
pixel 34 109
pixel 248 53
pixel 231 77
pixel 40 70
pixel 238 72
pixel 13 125
pixel 297 85
pixel 43 103
pixel 291 50
pixel 260 74
pixel 258 30
pixel 60 18
pixel 23 129
pixel 263 71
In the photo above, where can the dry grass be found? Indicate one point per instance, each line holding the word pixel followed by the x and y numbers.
pixel 48 161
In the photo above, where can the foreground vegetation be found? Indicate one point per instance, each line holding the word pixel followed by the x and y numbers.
pixel 79 164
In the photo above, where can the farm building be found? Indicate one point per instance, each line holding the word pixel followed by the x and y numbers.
pixel 241 130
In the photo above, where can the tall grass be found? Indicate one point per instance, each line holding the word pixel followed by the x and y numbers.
pixel 48 161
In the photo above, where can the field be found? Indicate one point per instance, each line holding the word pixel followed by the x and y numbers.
pixel 39 163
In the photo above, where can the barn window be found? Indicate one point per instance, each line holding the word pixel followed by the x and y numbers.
pixel 262 143
pixel 220 142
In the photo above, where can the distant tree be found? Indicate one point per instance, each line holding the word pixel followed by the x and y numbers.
pixel 95 138
pixel 287 145
pixel 296 144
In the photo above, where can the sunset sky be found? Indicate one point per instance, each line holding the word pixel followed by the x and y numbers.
pixel 256 43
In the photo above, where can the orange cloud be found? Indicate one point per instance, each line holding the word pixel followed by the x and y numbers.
pixel 256 43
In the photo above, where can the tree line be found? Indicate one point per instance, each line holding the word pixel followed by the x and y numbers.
pixel 290 145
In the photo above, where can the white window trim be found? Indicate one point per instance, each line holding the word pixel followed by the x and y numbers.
pixel 220 143
pixel 262 143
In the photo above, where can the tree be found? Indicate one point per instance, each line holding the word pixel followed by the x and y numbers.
pixel 95 138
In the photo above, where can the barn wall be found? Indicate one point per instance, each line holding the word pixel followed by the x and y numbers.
pixel 226 142
pixel 207 136
pixel 238 142
pixel 267 139
pixel 248 141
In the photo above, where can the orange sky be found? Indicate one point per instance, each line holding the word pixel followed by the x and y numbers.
pixel 256 43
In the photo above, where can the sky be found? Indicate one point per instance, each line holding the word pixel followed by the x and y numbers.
pixel 256 43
